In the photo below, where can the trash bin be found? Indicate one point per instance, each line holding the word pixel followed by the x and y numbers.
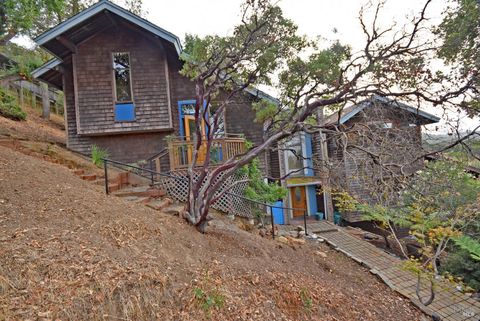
pixel 320 216
pixel 278 213
pixel 337 218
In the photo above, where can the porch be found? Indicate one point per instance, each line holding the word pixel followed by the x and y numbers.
pixel 180 151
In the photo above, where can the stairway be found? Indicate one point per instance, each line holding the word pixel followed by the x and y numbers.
pixel 152 197
pixel 132 189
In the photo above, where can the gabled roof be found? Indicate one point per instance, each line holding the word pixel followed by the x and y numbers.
pixel 261 94
pixel 98 8
pixel 46 67
pixel 83 20
pixel 342 116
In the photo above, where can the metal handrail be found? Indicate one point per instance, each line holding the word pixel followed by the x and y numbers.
pixel 154 173
pixel 222 136
pixel 160 154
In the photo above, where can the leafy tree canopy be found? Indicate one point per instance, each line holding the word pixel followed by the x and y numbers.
pixel 32 17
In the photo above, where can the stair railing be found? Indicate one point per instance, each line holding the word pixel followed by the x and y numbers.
pixel 152 175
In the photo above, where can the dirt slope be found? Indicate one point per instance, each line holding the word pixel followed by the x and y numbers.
pixel 69 252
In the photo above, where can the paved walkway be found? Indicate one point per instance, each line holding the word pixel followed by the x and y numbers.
pixel 449 304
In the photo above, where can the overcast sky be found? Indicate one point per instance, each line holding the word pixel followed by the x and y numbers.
pixel 314 18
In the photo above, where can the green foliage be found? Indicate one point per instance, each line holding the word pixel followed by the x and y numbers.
pixel 322 68
pixel 460 263
pixel 250 55
pixel 307 300
pixel 25 61
pixel 461 154
pixel 344 201
pixel 470 245
pixel 28 17
pixel 32 17
pixel 440 204
pixel 264 110
pixel 257 188
pixel 460 32
pixel 98 154
pixel 9 107
pixel 209 300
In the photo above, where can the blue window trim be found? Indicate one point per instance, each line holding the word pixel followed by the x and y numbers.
pixel 312 199
pixel 308 154
pixel 180 113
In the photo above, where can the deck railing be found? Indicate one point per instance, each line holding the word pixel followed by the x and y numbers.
pixel 223 148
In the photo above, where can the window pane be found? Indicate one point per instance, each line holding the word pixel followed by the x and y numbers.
pixel 122 85
pixel 124 112
pixel 121 60
pixel 188 109
pixel 294 155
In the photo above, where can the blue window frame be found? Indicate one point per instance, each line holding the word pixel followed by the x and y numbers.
pixel 124 112
pixel 186 107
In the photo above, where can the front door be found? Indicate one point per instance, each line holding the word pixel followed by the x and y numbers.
pixel 299 200
pixel 189 124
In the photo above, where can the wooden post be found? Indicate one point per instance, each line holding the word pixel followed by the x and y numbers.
pixel 21 95
pixel 34 100
pixel 55 104
pixel 325 171
pixel 45 101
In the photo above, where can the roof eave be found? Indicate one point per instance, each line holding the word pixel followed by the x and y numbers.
pixel 49 65
pixel 261 94
pixel 417 111
pixel 99 7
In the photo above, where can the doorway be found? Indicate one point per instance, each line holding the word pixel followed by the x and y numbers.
pixel 299 200
pixel 189 124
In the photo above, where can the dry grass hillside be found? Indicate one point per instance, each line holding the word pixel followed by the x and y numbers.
pixel 69 252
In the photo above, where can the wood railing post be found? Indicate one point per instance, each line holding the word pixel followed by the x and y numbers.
pixel 227 147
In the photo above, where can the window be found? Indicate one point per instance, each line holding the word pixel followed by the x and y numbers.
pixel 298 155
pixel 294 155
pixel 381 124
pixel 124 107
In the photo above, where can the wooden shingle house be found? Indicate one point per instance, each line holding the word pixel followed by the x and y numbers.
pixel 354 140
pixel 123 90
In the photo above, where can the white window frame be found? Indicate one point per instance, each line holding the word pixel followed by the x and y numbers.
pixel 304 160
pixel 115 101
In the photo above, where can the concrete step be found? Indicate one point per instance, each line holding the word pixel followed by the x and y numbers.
pixel 145 191
pixel 112 187
pixel 88 177
pixel 160 204
pixel 174 209
pixel 137 199
pixel 78 171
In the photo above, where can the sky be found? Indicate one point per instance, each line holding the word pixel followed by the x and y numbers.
pixel 315 18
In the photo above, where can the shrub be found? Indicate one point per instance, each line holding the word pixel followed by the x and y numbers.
pixel 208 300
pixel 9 107
pixel 98 154
pixel 459 263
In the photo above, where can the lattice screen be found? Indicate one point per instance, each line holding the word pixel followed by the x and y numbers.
pixel 177 188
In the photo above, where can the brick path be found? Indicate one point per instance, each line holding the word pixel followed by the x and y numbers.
pixel 449 304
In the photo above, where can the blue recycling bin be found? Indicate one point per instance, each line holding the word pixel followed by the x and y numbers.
pixel 320 216
pixel 278 213
pixel 337 217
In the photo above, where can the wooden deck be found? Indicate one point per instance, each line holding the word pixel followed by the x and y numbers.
pixel 181 151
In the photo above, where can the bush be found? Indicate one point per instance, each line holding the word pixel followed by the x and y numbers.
pixel 9 107
pixel 459 263
pixel 98 154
